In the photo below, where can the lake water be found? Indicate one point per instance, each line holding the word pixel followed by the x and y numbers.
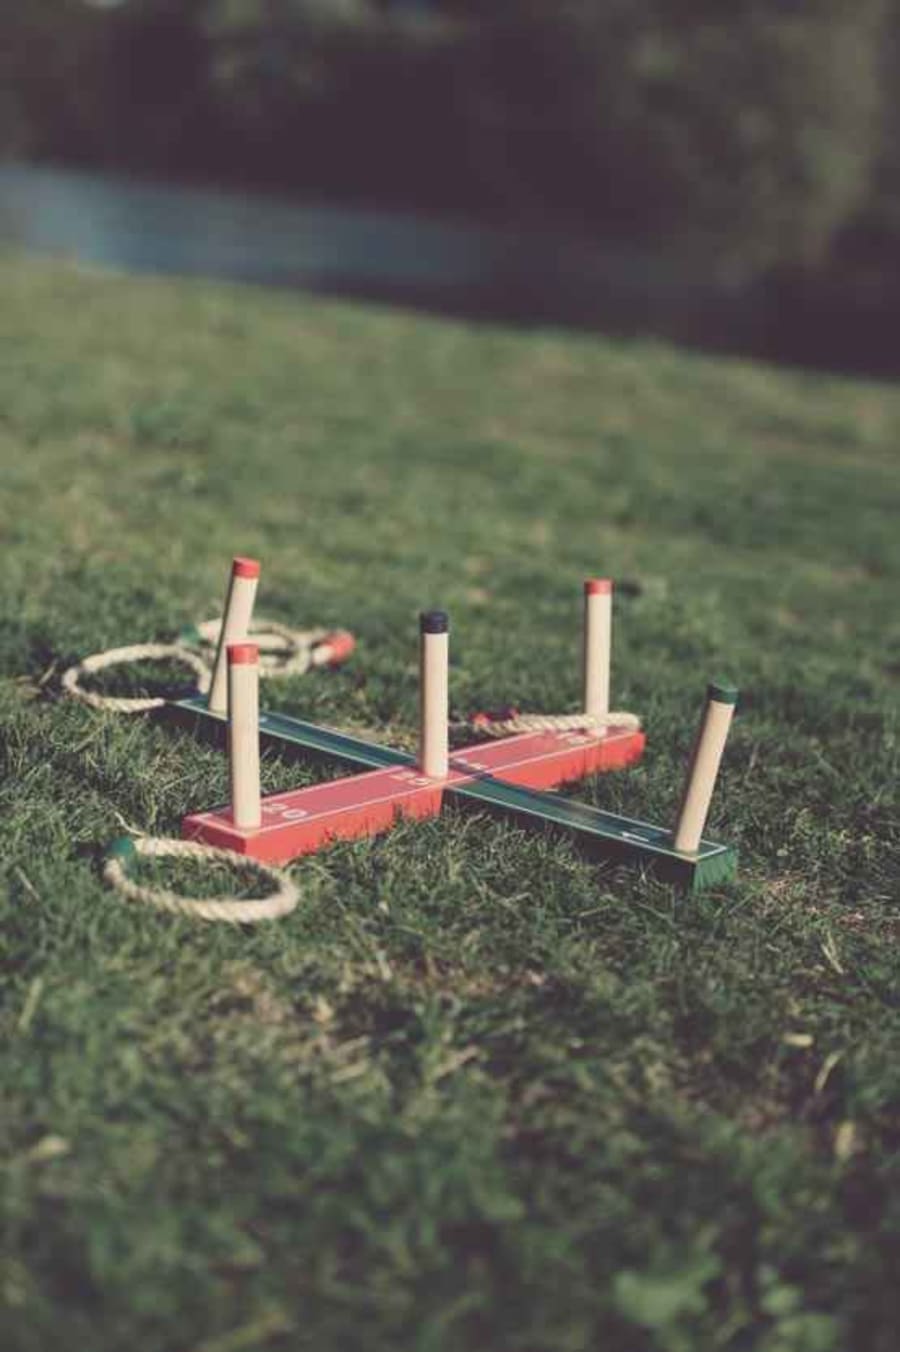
pixel 473 271
pixel 117 222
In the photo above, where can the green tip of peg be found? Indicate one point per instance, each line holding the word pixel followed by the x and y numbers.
pixel 721 693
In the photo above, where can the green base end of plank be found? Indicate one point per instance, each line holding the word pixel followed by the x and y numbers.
pixel 604 835
pixel 715 869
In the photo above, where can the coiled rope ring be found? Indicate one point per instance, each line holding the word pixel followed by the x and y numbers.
pixel 138 652
pixel 123 852
pixel 516 722
pixel 282 651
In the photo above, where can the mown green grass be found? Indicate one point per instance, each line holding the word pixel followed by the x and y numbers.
pixel 475 1093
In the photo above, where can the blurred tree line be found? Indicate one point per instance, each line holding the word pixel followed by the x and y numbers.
pixel 755 135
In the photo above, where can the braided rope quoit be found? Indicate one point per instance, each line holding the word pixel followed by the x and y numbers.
pixel 138 652
pixel 233 910
pixel 504 727
pixel 282 651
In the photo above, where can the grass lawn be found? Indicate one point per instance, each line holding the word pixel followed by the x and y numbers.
pixel 476 1092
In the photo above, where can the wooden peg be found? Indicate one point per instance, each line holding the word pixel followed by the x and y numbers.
pixel 243 734
pixel 597 646
pixel 704 766
pixel 235 626
pixel 434 639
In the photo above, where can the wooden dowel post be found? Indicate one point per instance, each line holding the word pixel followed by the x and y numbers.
pixel 243 734
pixel 235 626
pixel 597 646
pixel 703 769
pixel 434 656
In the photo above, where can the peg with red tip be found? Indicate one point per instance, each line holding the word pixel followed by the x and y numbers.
pixel 243 734
pixel 235 626
pixel 597 646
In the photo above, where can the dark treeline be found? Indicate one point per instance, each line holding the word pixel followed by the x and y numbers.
pixel 759 135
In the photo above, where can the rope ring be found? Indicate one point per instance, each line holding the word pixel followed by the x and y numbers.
pixel 279 902
pixel 552 723
pixel 282 651
pixel 154 652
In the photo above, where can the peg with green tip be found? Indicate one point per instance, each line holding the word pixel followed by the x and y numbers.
pixel 703 770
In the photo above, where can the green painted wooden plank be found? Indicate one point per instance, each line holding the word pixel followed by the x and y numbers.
pixel 604 834
pixel 282 732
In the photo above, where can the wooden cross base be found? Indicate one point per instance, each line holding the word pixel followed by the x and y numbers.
pixel 506 776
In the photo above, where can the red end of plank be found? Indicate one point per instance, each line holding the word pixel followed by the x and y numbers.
pixel 598 586
pixel 304 820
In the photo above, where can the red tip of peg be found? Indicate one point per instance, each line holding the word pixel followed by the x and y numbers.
pixel 243 654
pixel 242 567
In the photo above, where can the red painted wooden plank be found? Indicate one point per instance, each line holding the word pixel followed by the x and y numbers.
pixel 303 820
pixel 544 760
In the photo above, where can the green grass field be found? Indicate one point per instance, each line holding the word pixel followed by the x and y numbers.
pixel 476 1093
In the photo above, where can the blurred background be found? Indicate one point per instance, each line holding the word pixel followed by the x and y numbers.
pixel 724 174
